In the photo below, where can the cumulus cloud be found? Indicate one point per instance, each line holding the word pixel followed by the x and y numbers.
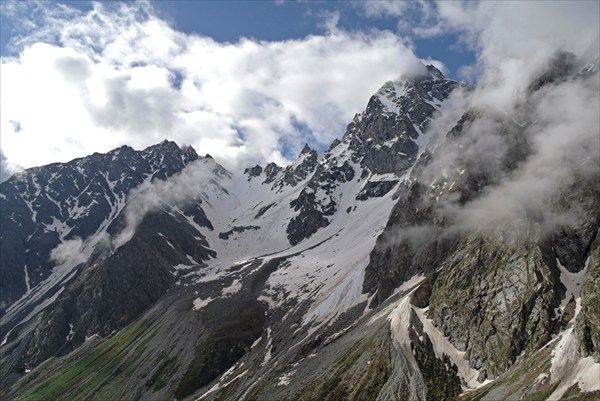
pixel 564 137
pixel 559 149
pixel 505 34
pixel 119 74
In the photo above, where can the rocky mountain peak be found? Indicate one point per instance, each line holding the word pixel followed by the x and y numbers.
pixel 306 150
pixel 434 72
pixel 253 171
pixel 387 136
pixel 169 147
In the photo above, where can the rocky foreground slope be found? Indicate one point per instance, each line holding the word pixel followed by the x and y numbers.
pixel 430 254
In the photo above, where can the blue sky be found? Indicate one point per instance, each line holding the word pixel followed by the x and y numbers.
pixel 250 81
pixel 228 21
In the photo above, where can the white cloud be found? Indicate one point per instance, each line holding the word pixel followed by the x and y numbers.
pixel 386 8
pixel 87 82
pixel 562 146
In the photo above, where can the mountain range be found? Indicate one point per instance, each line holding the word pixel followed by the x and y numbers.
pixel 393 266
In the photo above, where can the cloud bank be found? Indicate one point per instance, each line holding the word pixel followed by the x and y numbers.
pixel 119 74
pixel 529 143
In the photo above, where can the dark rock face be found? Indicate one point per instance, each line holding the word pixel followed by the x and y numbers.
pixel 195 211
pixel 253 171
pixel 495 300
pixel 313 214
pixel 440 375
pixel 588 326
pixel 237 229
pixel 113 291
pixel 493 294
pixel 383 137
pixel 560 67
pixel 376 189
pixel 227 341
pixel 300 170
pixel 44 204
pixel 304 225
pixel 410 243
pixel 291 175
pixel 264 209
pixel 271 172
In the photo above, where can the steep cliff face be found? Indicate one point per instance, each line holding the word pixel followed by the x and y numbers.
pixel 499 291
pixel 588 325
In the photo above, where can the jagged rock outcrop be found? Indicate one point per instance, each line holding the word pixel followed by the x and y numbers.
pixel 314 212
pixel 383 139
pixel 236 229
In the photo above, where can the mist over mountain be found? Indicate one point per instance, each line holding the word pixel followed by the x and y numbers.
pixel 446 247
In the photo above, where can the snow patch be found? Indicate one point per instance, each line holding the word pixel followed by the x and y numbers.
pixel 442 346
pixel 235 286
pixel 268 354
pixel 27 285
pixel 570 368
pixel 71 332
pixel 399 320
pixel 218 386
pixel 58 226
pixel 284 379
pixel 573 283
pixel 200 303
pixel 183 267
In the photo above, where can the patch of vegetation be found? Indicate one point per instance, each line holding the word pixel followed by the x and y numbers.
pixel 80 378
pixel 440 375
pixel 349 379
pixel 212 358
pixel 163 374
pixel 34 374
